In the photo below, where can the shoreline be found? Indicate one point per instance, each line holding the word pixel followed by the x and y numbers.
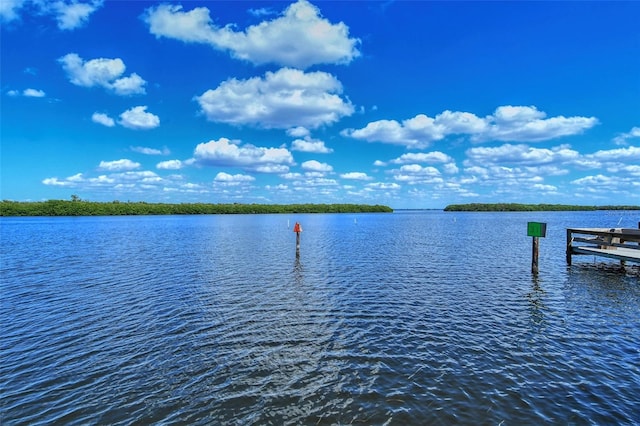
pixel 118 208
pixel 517 207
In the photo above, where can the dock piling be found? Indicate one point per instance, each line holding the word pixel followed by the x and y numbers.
pixel 569 246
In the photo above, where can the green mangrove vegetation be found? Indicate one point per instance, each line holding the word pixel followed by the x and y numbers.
pixel 77 207
pixel 516 207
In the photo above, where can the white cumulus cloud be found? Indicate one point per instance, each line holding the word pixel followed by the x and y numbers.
pixel 622 138
pixel 103 119
pixel 310 145
pixel 299 38
pixel 226 153
pixel 520 154
pixel 383 186
pixel 72 14
pixel 102 72
pixel 138 118
pixel 631 153
pixel 508 124
pixel 33 93
pixel 69 14
pixel 287 98
pixel 170 165
pixel 423 157
pixel 355 176
pixel 298 132
pixel 316 166
pixel 28 93
pixel 232 180
pixel 118 165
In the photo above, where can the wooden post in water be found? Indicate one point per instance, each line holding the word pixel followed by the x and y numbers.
pixel 535 230
pixel 534 255
pixel 297 229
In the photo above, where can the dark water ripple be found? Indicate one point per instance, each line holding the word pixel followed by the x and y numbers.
pixel 410 318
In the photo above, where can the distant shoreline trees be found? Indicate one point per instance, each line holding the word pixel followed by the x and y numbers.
pixel 77 207
pixel 515 207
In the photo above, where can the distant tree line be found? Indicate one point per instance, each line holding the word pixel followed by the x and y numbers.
pixel 515 207
pixel 77 207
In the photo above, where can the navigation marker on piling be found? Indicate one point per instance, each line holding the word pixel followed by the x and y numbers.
pixel 535 230
pixel 297 229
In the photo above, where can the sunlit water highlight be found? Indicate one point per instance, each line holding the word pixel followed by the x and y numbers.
pixel 403 318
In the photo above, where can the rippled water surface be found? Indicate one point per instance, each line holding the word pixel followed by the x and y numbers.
pixel 403 318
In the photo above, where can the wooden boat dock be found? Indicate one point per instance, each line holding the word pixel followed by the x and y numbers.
pixel 622 244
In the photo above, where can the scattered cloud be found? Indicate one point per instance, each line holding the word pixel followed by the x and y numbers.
pixel 27 93
pixel 602 185
pixel 69 181
pixel 528 124
pixel 544 188
pixel 150 151
pixel 137 118
pixel 316 166
pixel 520 154
pixel 414 174
pixel 118 165
pixel 298 132
pixel 287 98
pixel 355 176
pixel 623 138
pixel 170 165
pixel 631 170
pixel 423 157
pixel 232 180
pixel 315 184
pixel 310 145
pixel 631 153
pixel 103 119
pixel 226 153
pixel 507 124
pixel 72 14
pixel 384 186
pixel 126 182
pixel 9 10
pixel 33 93
pixel 69 14
pixel 263 11
pixel 450 168
pixel 102 72
pixel 299 38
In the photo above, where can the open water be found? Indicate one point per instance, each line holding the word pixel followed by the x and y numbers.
pixel 407 318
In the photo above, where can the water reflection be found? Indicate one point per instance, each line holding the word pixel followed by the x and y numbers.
pixel 536 303
pixel 298 272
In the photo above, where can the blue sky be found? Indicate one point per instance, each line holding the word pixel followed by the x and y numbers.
pixel 408 104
